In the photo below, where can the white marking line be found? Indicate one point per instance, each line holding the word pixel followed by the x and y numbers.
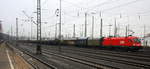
pixel 10 62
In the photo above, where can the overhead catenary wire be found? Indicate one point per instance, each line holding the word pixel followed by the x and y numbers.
pixel 66 14
pixel 101 5
pixel 125 4
pixel 115 7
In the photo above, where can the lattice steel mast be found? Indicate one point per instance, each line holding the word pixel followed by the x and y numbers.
pixel 38 50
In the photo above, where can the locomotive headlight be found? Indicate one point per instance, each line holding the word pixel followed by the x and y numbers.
pixel 138 44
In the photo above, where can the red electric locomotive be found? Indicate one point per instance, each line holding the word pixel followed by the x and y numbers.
pixel 128 43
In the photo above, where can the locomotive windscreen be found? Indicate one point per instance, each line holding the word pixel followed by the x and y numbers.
pixel 137 40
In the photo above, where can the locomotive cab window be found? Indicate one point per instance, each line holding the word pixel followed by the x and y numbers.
pixel 137 40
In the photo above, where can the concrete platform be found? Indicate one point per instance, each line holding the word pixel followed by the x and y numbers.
pixel 4 61
pixel 10 59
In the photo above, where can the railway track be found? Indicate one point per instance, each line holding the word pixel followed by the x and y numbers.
pixel 82 61
pixel 95 65
pixel 134 57
pixel 90 55
pixel 125 61
pixel 137 61
pixel 32 56
pixel 98 51
pixel 116 60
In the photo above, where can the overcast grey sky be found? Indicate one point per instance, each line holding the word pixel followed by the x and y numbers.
pixel 136 13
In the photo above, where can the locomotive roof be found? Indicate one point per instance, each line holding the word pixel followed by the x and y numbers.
pixel 129 37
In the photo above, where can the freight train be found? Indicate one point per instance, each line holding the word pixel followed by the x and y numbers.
pixel 130 43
